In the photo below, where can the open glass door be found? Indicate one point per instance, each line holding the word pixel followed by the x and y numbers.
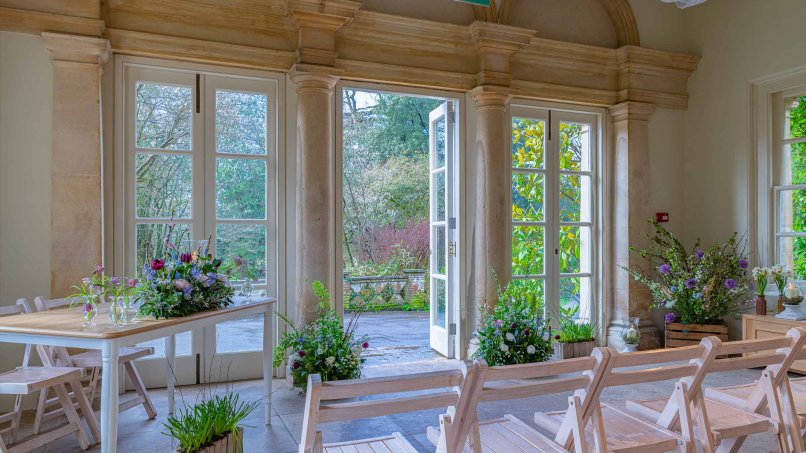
pixel 442 229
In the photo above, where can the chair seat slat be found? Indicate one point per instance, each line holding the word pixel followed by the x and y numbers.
pixel 336 390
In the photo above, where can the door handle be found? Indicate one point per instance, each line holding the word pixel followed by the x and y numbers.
pixel 452 248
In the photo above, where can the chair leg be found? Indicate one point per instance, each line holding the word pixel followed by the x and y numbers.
pixel 40 410
pixel 72 415
pixel 141 389
pixel 86 409
pixel 15 420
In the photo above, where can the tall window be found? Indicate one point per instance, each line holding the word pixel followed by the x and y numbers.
pixel 790 190
pixel 554 207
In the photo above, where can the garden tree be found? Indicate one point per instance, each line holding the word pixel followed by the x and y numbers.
pixel 385 180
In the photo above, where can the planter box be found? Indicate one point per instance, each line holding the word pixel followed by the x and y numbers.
pixel 225 445
pixel 572 350
pixel 679 335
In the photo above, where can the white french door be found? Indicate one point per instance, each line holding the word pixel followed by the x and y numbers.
pixel 443 230
pixel 200 162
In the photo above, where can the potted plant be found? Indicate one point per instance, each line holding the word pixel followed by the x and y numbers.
pixel 514 331
pixel 701 287
pixel 575 337
pixel 211 426
pixel 324 346
pixel 761 276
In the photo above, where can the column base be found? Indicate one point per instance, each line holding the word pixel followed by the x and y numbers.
pixel 650 336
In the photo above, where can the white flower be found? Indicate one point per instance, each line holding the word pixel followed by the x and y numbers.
pixel 357 349
pixel 504 347
pixel 760 271
pixel 510 337
pixel 531 349
pixel 330 361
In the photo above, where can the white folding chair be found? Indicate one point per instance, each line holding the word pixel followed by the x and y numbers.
pixel 91 360
pixel 28 379
pixel 337 401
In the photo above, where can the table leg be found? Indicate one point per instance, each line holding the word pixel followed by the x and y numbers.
pixel 170 357
pixel 109 395
pixel 268 358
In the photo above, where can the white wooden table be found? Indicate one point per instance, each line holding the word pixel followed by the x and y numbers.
pixel 66 328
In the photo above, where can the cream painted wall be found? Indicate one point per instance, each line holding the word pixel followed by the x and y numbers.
pixel 25 142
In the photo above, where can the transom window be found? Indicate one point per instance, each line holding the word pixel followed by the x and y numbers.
pixel 790 188
pixel 554 207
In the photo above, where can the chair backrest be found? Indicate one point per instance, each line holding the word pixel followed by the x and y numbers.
pixel 56 355
pixel 43 304
pixel 581 375
pixel 19 308
pixel 776 354
pixel 335 400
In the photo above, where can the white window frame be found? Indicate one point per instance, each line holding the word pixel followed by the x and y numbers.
pixel 598 217
pixel 766 138
pixel 121 231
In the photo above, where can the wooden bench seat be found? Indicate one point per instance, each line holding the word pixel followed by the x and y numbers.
pixel 393 443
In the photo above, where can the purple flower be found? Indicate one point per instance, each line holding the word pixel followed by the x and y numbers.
pixel 670 318
pixel 699 254
pixel 691 283
pixel 664 268
pixel 730 283
pixel 498 323
pixel 115 281
pixel 743 263
pixel 181 284
pixel 186 257
pixel 132 282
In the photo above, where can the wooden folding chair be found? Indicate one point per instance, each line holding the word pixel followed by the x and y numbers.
pixel 624 432
pixel 730 422
pixel 337 401
pixel 511 435
pixel 91 360
pixel 28 379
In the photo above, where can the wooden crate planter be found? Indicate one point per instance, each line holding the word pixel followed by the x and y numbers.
pixel 679 335
pixel 572 350
pixel 227 444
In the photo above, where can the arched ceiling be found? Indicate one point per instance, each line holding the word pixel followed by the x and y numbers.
pixel 604 23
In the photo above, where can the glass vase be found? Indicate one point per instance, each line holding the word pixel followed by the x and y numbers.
pixel 89 309
pixel 631 334
pixel 115 311
pixel 129 311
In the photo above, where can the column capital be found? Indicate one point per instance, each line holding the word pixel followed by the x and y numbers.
pixel 77 48
pixel 631 110
pixel 490 97
pixel 317 22
pixel 314 77
pixel 495 44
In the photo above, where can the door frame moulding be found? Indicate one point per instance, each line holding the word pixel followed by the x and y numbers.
pixel 461 306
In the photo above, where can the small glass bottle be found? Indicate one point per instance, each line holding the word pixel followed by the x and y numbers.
pixel 631 334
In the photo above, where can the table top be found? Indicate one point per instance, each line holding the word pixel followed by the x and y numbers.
pixel 69 322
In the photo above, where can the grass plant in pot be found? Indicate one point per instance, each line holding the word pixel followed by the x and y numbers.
pixel 213 425
pixel 575 337
pixel 698 288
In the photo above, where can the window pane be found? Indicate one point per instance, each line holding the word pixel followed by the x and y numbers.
pixel 576 291
pixel 240 189
pixel 792 211
pixel 527 196
pixel 439 194
pixel 575 198
pixel 575 249
pixel 184 345
pixel 163 116
pixel 247 243
pixel 574 146
pixel 527 250
pixel 240 122
pixel 441 295
pixel 792 253
pixel 528 143
pixel 794 163
pixel 440 139
pixel 533 287
pixel 164 185
pixel 239 335
pixel 151 240
pixel 439 250
pixel 796 115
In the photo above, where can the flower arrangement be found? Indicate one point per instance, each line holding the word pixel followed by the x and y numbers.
pixel 761 275
pixel 780 275
pixel 513 332
pixel 91 290
pixel 702 286
pixel 209 421
pixel 181 284
pixel 324 346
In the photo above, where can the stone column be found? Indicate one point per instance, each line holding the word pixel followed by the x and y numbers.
pixel 315 187
pixel 630 214
pixel 491 249
pixel 76 235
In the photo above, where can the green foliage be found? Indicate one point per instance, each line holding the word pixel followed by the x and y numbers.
pixel 514 331
pixel 702 286
pixel 198 426
pixel 417 302
pixel 324 346
pixel 573 330
pixel 797 155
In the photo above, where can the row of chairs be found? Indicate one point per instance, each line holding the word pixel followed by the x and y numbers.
pixel 718 419
pixel 66 384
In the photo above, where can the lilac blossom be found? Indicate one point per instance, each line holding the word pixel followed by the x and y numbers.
pixel 670 318
pixel 699 254
pixel 730 283
pixel 743 263
pixel 691 283
pixel 664 268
